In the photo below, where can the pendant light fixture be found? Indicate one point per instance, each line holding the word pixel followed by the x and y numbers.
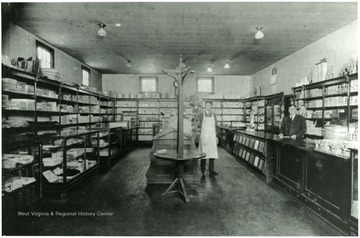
pixel 102 31
pixel 227 65
pixel 259 34
pixel 129 64
pixel 209 69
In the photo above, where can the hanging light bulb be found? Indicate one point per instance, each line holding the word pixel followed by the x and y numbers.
pixel 259 34
pixel 129 64
pixel 209 69
pixel 102 31
pixel 227 66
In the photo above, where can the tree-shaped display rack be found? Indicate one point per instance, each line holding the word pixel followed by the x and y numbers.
pixel 180 73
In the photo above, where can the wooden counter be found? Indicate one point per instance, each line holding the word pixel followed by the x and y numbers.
pixel 323 182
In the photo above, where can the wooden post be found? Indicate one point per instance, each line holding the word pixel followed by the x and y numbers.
pixel 180 123
pixel 179 75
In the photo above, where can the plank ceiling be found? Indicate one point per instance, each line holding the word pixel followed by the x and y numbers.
pixel 153 35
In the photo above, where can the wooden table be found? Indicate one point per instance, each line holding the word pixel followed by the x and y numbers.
pixel 183 189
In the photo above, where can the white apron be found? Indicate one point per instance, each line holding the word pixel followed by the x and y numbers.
pixel 207 142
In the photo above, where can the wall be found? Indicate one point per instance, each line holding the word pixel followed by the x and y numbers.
pixel 339 48
pixel 17 42
pixel 223 84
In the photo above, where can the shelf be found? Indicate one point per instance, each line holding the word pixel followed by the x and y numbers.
pixel 12 93
pixel 327 82
pixel 20 167
pixel 335 107
pixel 68 112
pixel 63 101
pixel 312 98
pixel 315 119
pixel 49 112
pixel 18 110
pixel 46 98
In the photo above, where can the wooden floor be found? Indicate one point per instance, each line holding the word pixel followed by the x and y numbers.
pixel 237 203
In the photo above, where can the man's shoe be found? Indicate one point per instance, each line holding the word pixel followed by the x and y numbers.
pixel 213 173
pixel 203 179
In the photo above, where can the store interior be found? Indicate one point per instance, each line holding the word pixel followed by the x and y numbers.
pixel 104 106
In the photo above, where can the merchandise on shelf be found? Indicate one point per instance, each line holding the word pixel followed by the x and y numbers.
pixel 232 97
pixel 311 129
pixel 15 122
pixel 354 85
pixel 69 97
pixel 10 161
pixel 13 85
pixel 335 147
pixel 149 104
pixel 313 103
pixel 47 106
pixel 232 111
pixel 335 101
pixel 233 104
pixel 315 92
pixel 51 73
pixel 67 108
pixel 14 183
pixel 46 93
pixel 130 104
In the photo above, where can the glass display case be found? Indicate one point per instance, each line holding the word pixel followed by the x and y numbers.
pixel 274 110
pixel 21 169
pixel 109 144
pixel 354 192
pixel 129 137
pixel 68 159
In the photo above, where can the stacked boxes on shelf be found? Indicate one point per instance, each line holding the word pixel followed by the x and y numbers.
pixel 13 85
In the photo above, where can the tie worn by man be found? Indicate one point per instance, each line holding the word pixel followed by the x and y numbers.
pixel 294 125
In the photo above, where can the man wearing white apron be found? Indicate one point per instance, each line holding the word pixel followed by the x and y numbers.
pixel 208 139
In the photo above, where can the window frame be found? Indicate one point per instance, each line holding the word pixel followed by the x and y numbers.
pixel 83 68
pixel 149 77
pixel 39 44
pixel 198 78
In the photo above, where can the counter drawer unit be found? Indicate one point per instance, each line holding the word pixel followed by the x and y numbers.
pixel 325 180
pixel 290 166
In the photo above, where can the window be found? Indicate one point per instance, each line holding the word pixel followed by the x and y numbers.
pixel 85 76
pixel 45 54
pixel 148 84
pixel 205 84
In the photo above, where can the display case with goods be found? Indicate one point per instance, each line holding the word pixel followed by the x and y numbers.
pixel 130 137
pixel 21 174
pixel 275 110
pixel 69 159
pixel 107 109
pixel 354 193
pixel 110 144
pixel 255 113
pixel 252 150
pixel 329 102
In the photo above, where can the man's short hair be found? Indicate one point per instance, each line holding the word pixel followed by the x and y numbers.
pixel 208 102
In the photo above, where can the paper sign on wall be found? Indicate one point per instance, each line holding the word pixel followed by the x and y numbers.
pixel 273 76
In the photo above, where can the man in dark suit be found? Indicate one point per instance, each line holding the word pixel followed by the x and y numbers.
pixel 294 125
